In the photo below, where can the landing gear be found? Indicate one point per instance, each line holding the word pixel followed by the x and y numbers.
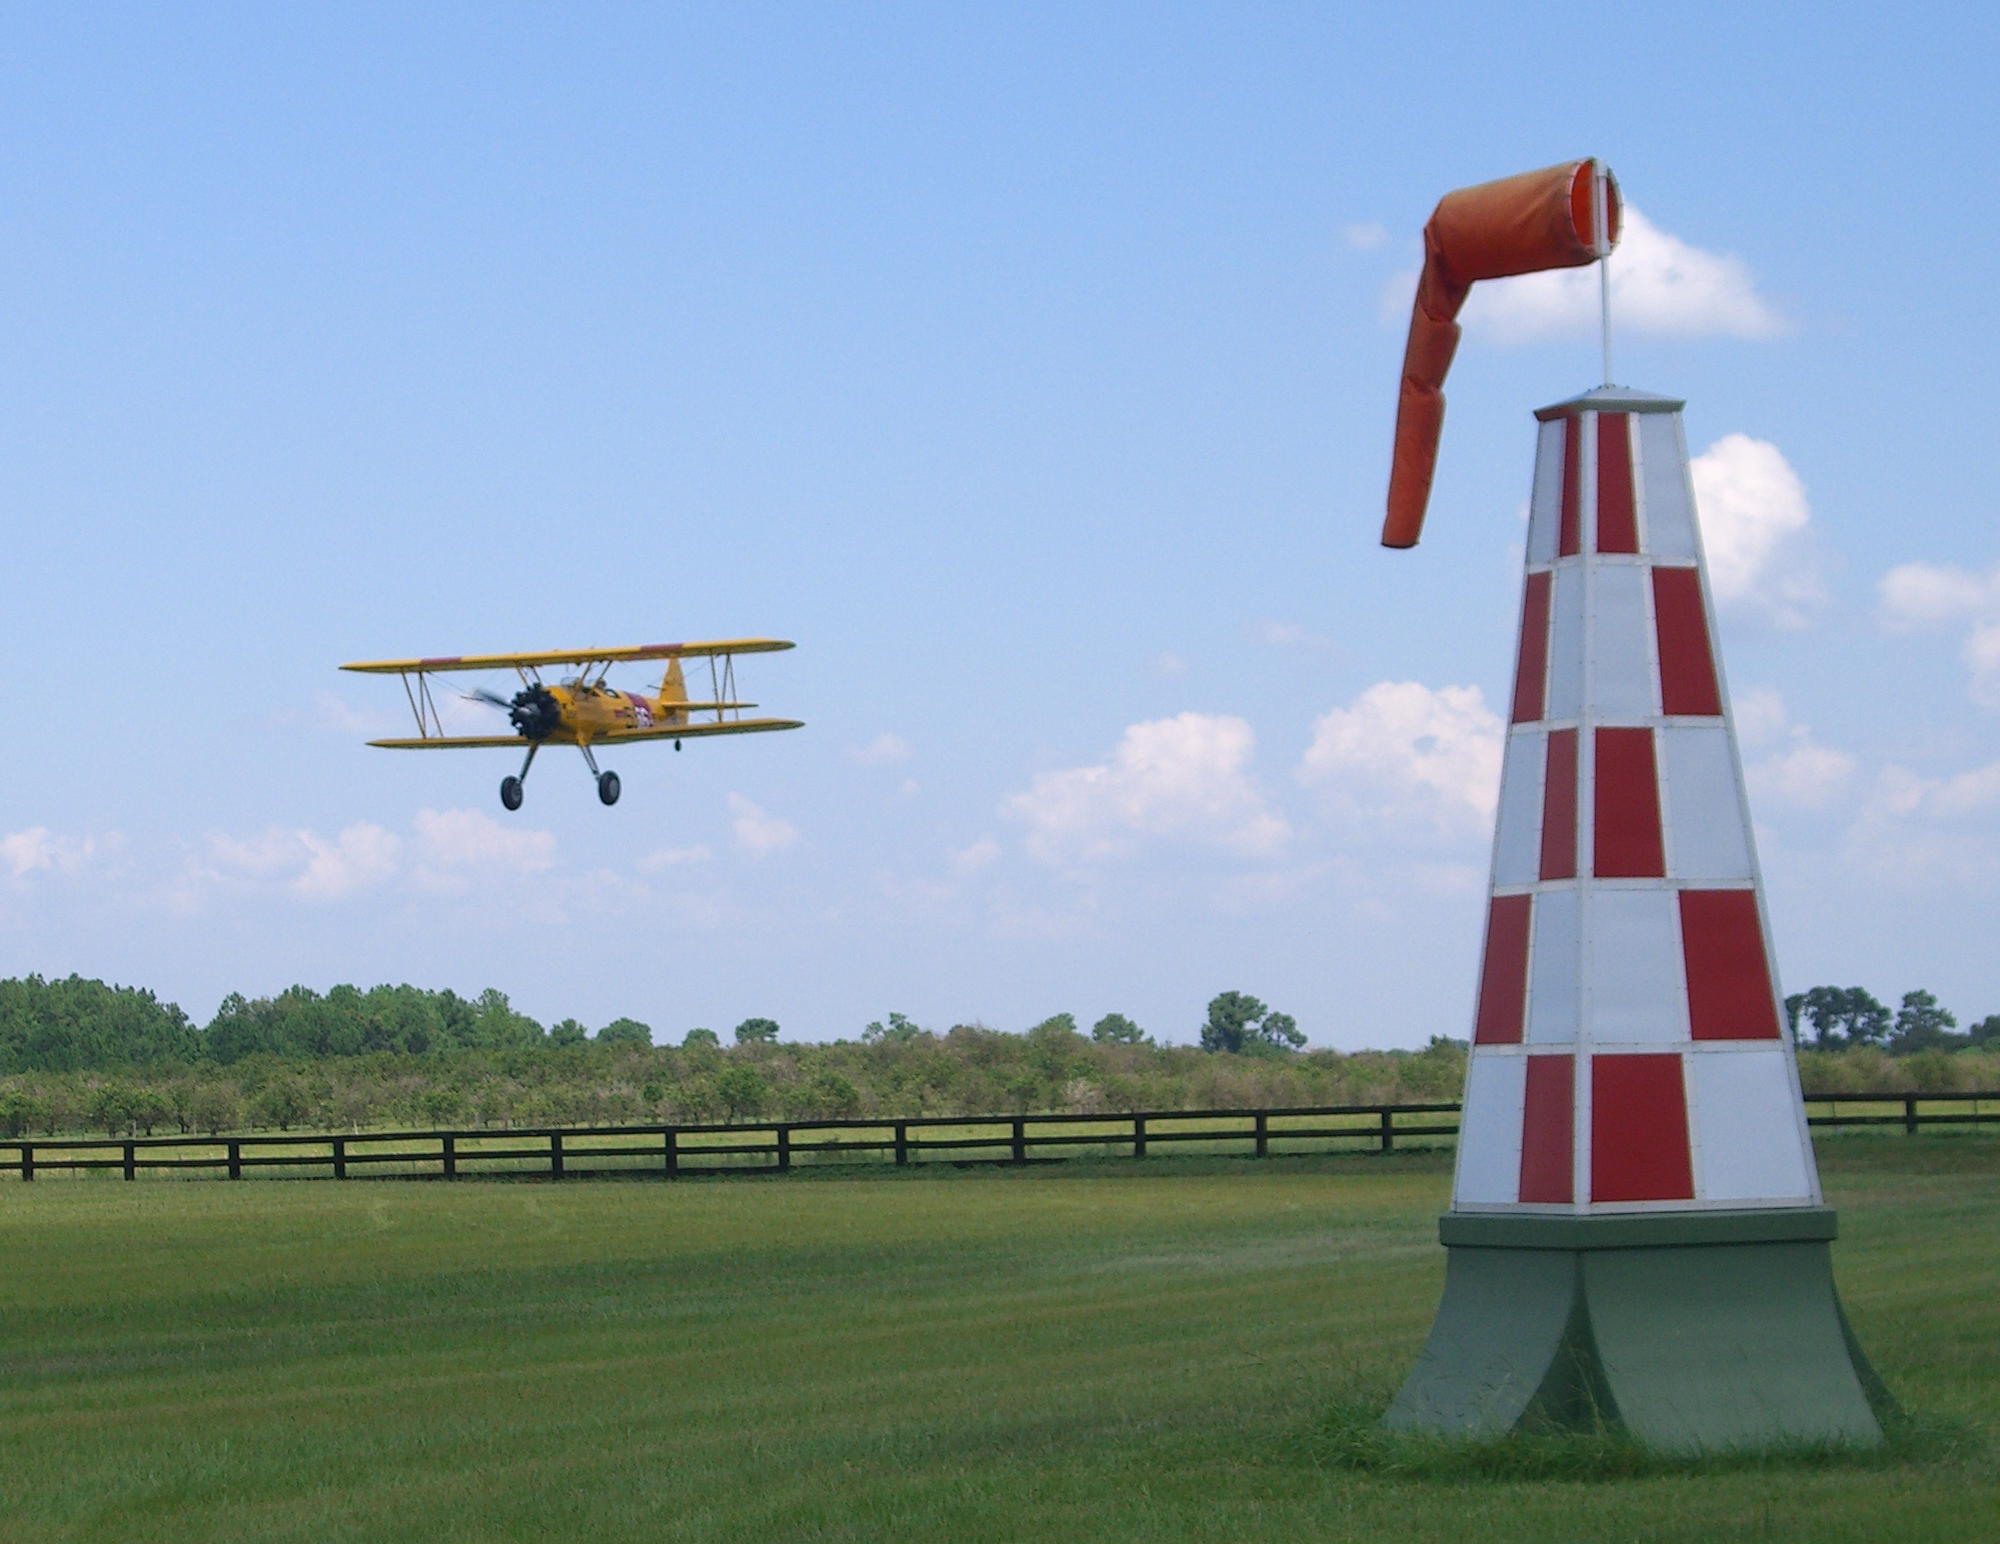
pixel 607 782
pixel 513 789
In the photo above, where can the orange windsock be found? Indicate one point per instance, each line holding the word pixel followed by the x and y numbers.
pixel 1554 218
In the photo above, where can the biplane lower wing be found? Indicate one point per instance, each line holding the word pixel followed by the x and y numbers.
pixel 612 737
pixel 438 742
pixel 690 731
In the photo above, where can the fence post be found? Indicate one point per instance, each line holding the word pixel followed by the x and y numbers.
pixel 27 1160
pixel 555 1155
pixel 448 1155
pixel 784 1148
pixel 1138 1136
pixel 131 1162
pixel 902 1142
pixel 236 1160
pixel 1020 1140
pixel 1909 1115
pixel 340 1157
pixel 1263 1134
pixel 1388 1128
pixel 671 1143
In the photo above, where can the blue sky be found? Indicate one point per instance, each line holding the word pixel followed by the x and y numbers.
pixel 1033 368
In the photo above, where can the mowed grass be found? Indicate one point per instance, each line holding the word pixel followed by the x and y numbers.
pixel 1084 1352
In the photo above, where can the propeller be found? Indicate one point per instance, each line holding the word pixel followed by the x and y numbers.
pixel 533 710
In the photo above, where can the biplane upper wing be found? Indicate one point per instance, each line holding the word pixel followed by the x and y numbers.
pixel 691 731
pixel 569 656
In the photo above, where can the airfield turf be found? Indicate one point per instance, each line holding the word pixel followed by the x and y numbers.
pixel 1105 1352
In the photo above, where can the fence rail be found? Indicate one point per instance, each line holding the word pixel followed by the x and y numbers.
pixel 780 1147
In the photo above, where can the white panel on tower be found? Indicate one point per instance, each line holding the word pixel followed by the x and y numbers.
pixel 1545 504
pixel 1554 969
pixel 1517 832
pixel 1489 1133
pixel 1749 1148
pixel 1666 512
pixel 1635 979
pixel 1704 812
pixel 1621 632
pixel 1566 644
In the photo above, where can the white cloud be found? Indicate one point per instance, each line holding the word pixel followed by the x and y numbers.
pixel 1761 717
pixel 1918 595
pixel 1902 792
pixel 1364 237
pixel 1660 284
pixel 1407 753
pixel 361 857
pixel 882 751
pixel 1288 635
pixel 315 867
pixel 664 858
pixel 758 832
pixel 1794 767
pixel 40 850
pixel 1807 774
pixel 1168 664
pixel 334 714
pixel 979 855
pixel 1755 530
pixel 457 840
pixel 1930 832
pixel 1183 778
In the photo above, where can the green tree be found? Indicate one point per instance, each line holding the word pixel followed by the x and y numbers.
pixel 699 1038
pixel 1839 1017
pixel 496 1026
pixel 216 1107
pixel 625 1032
pixel 832 1096
pixel 1921 1025
pixel 148 1108
pixel 757 1032
pixel 568 1033
pixel 898 1031
pixel 1055 1050
pixel 109 1109
pixel 742 1091
pixel 283 1103
pixel 1241 1025
pixel 1116 1029
pixel 21 1110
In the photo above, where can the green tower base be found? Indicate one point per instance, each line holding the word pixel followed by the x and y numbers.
pixel 1693 1332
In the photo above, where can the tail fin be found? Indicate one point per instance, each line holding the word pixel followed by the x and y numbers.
pixel 672 688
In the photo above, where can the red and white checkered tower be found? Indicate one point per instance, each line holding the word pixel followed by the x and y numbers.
pixel 1629 1048
pixel 1636 1236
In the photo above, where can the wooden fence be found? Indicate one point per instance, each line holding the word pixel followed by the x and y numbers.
pixel 765 1148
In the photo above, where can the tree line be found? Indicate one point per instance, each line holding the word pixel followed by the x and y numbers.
pixel 78 1056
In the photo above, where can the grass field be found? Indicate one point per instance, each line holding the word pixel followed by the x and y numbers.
pixel 1085 1352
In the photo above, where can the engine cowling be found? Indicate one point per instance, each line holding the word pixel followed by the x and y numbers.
pixel 535 713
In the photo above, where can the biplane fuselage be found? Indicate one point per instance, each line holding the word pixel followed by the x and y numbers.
pixel 581 710
pixel 593 712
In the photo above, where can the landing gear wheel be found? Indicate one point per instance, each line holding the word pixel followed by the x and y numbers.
pixel 607 787
pixel 510 792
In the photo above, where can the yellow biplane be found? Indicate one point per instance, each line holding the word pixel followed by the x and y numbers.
pixel 579 709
